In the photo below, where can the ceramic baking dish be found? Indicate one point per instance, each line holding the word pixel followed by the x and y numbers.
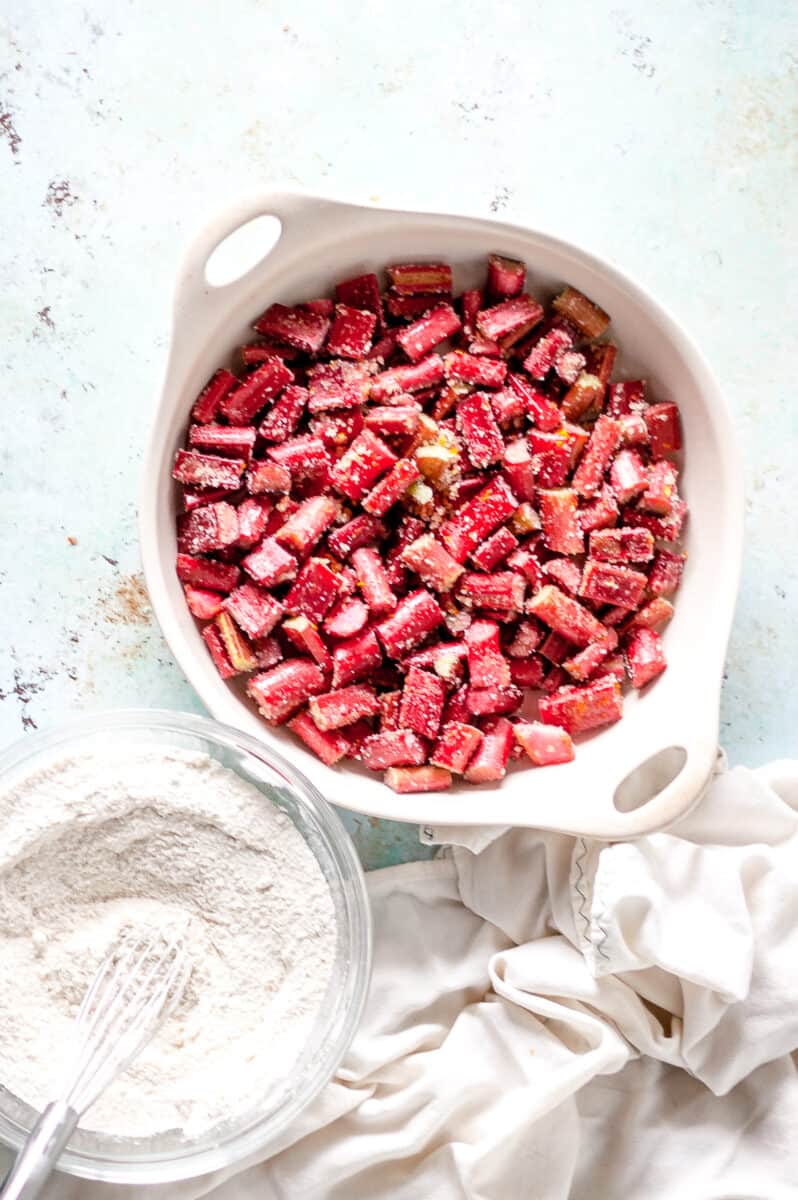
pixel 671 730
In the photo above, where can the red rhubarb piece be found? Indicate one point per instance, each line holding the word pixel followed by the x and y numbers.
pixel 527 672
pixel 581 312
pixel 253 609
pixel 208 470
pixel 601 512
pixel 600 359
pixel 304 457
pixel 666 572
pixel 270 564
pixel 255 353
pixel 408 307
pixel 329 747
pixel 585 395
pixel 628 476
pixel 474 370
pixel 362 291
pixel 295 326
pixel 391 488
pixel 366 459
pixel 541 411
pixel 346 618
pixel 578 709
pixel 352 331
pixel 508 408
pixel 399 420
pixel 565 573
pixel 304 527
pixel 238 649
pixel 583 665
pixel 423 696
pixel 216 648
pixel 527 563
pixel 418 779
pixel 526 639
pixel 657 612
pixel 569 365
pixel 234 441
pixel 502 590
pixel 489 763
pixel 664 429
pixel 487 666
pixel 192 500
pixel 494 549
pixel 202 604
pixel 545 745
pixel 202 573
pixel 481 434
pixel 415 377
pixel 476 519
pixel 373 581
pixel 268 477
pixel 660 489
pixel 508 321
pixel 634 431
pixel 393 748
pixel 260 386
pixel 606 583
pixel 338 384
pixel 285 688
pixel 667 529
pixel 627 397
pixel 506 277
pixel 561 529
pixel 304 635
pixel 603 442
pixel 356 658
pixel 622 546
pixel 410 279
pixel 455 746
pixel 314 590
pixel 645 656
pixel 429 331
pixel 363 530
pixel 209 528
pixel 566 616
pixel 343 706
pixel 434 564
pixel 548 346
pixel 206 406
pixel 552 466
pixel 415 616
pixel 283 417
pixel 491 701
pixel 390 703
pixel 444 658
pixel 555 648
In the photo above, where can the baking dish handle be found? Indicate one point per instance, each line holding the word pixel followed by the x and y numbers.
pixel 198 304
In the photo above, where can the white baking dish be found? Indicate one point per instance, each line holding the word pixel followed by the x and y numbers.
pixel 322 241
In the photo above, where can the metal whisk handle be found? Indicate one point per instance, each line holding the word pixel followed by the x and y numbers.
pixel 37 1158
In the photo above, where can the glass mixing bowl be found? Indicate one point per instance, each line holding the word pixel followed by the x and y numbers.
pixel 171 1156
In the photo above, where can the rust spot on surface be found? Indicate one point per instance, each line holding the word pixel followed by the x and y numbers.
pixel 59 196
pixel 129 603
pixel 9 131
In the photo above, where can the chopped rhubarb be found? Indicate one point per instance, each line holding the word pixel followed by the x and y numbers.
pixel 295 326
pixel 254 609
pixel 305 457
pixel 202 604
pixel 329 747
pixel 270 564
pixel 565 573
pixel 356 658
pixel 209 528
pixel 584 396
pixel 627 397
pixel 338 385
pixel 491 701
pixel 399 420
pixel 455 746
pixel 392 487
pixel 366 459
pixel 304 527
pixel 657 612
pixel 373 581
pixel 555 648
pixel 313 591
pixel 664 429
pixel 205 573
pixel 489 763
pixel 487 666
pixel 645 656
pixel 667 529
pixel 499 590
pixel 415 377
pixel 526 563
pixel 238 649
pixel 429 331
pixel 343 706
pixel 527 638
pixel 561 529
pixel 578 709
pixel 634 431
pixel 569 366
pixel 481 434
pixel 548 346
pixel 234 441
pixel 476 519
pixel 545 745
pixel 346 618
pixel 541 411
pixel 606 583
pixel 422 703
pixel 284 415
pixel 584 664
pixel 268 477
pixel 418 779
pixel 216 648
pixel 506 277
pixel 363 530
pixel 208 470
pixel 600 359
pixel 410 279
pixel 393 748
pixel 494 549
pixel 508 407
pixel 509 320
pixel 432 563
pixel 255 390
pixel 666 571
pixel 527 672
pixel 566 616
pixel 474 370
pixel 352 331
pixel 622 546
pixel 390 703
pixel 628 477
pixel 304 635
pixel 581 312
pixel 415 616
pixel 206 406
pixel 444 658
pixel 602 445
pixel 601 512
pixel 281 691
pixel 660 491
pixel 362 291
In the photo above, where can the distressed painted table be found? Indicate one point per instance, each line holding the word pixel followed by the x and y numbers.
pixel 663 136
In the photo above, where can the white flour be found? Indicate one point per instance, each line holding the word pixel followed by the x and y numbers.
pixel 92 844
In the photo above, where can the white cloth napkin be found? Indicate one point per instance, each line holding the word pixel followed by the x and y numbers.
pixel 554 1017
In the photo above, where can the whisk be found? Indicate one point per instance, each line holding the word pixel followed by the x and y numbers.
pixel 137 986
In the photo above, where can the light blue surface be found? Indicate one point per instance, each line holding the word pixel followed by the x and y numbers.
pixel 664 137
